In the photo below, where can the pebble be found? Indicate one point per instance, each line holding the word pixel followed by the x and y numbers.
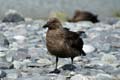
pixel 88 48
pixel 17 64
pixel 108 58
pixel 26 57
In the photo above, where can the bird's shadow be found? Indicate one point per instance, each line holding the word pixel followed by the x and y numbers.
pixel 69 67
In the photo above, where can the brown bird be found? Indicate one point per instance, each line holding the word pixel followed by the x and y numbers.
pixel 61 42
pixel 83 16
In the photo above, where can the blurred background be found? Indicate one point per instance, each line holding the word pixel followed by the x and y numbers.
pixel 42 8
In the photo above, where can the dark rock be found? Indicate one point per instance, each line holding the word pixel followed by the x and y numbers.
pixel 13 17
pixel 2 74
pixel 3 41
pixel 4 65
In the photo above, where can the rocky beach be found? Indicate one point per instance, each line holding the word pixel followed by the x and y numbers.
pixel 24 56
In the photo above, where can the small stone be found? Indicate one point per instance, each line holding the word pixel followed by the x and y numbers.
pixel 9 58
pixel 108 58
pixel 2 54
pixel 44 61
pixel 2 74
pixel 17 64
pixel 19 38
pixel 82 77
pixel 25 62
pixel 61 77
pixel 88 48
pixel 104 77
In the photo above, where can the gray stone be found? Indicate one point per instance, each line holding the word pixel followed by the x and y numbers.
pixel 5 65
pixel 13 74
pixel 2 74
pixel 60 77
pixel 4 43
pixel 17 64
pixel 2 56
pixel 109 59
pixel 82 77
pixel 104 77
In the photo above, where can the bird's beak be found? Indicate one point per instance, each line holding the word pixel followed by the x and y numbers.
pixel 45 26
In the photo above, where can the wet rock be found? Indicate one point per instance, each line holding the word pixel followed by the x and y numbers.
pixel 104 77
pixel 12 16
pixel 2 74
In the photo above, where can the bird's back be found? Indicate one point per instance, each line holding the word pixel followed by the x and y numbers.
pixel 64 43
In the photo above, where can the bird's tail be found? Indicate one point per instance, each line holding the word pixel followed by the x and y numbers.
pixel 83 53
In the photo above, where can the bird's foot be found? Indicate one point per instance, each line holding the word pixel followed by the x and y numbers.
pixel 56 71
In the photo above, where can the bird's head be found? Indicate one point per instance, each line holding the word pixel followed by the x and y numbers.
pixel 52 23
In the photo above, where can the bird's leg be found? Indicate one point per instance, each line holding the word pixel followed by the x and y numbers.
pixel 72 67
pixel 56 70
pixel 56 62
pixel 71 60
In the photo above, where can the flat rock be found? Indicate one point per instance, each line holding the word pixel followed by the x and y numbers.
pixel 82 77
pixel 5 65
pixel 104 77
pixel 108 58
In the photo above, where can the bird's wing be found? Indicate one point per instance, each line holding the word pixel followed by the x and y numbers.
pixel 73 40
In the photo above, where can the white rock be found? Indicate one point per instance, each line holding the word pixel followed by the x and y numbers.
pixel 88 48
pixel 108 58
pixel 104 77
pixel 2 54
pixel 9 58
pixel 17 64
pixel 44 61
pixel 19 38
pixel 82 77
pixel 26 61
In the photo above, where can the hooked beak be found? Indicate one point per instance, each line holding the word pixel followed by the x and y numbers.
pixel 45 26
